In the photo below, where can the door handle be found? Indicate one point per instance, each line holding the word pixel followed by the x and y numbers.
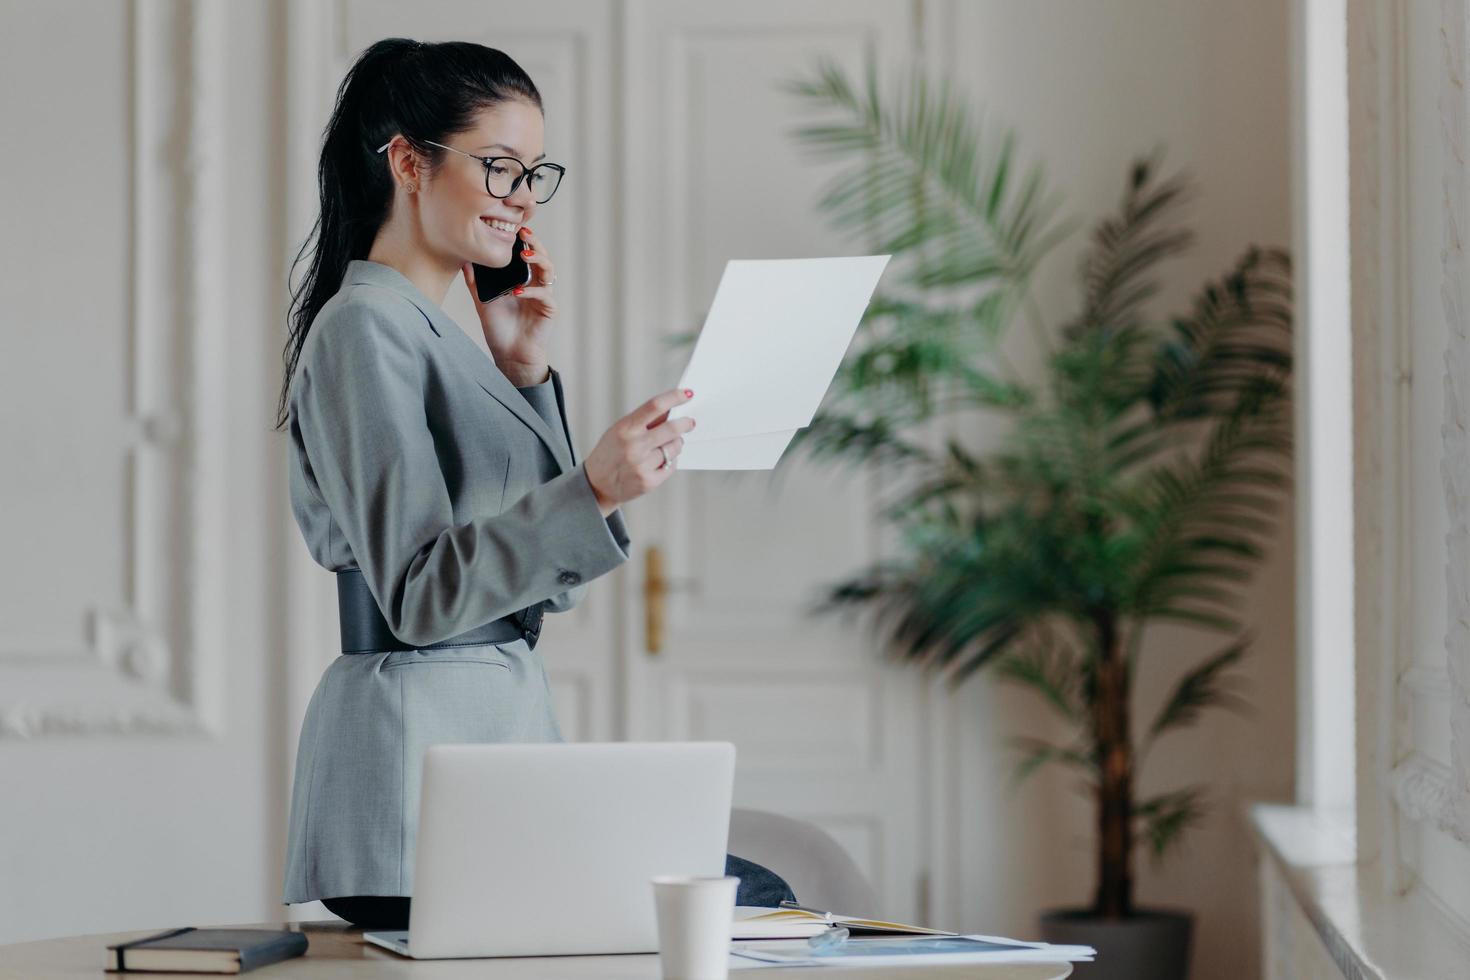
pixel 656 587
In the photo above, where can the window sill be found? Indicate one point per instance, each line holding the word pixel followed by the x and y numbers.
pixel 1368 933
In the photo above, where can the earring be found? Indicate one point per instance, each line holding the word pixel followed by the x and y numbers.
pixel 408 187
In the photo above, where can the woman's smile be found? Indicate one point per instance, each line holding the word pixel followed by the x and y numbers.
pixel 504 230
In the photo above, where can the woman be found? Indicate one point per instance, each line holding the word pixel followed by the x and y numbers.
pixel 442 487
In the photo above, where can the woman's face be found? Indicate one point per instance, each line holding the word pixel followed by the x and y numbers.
pixel 455 207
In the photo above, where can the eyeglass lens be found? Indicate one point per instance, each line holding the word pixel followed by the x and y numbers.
pixel 501 174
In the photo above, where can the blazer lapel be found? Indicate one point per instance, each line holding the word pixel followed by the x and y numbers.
pixel 489 376
pixel 498 386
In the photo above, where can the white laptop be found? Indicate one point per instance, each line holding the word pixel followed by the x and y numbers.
pixel 534 849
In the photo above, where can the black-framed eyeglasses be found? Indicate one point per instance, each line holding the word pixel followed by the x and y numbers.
pixel 502 179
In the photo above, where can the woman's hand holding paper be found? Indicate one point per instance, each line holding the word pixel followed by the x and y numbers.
pixel 627 461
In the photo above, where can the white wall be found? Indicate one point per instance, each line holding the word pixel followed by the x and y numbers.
pixel 103 831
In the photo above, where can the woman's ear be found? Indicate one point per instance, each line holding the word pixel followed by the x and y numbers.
pixel 404 164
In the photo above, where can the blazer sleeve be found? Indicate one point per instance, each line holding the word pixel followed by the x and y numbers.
pixel 359 405
pixel 548 401
pixel 542 398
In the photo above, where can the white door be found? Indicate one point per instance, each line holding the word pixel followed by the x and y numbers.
pixel 716 643
pixel 667 118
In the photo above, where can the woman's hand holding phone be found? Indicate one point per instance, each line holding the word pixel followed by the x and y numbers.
pixel 626 461
pixel 516 324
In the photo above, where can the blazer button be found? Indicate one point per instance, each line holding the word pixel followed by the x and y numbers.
pixel 568 577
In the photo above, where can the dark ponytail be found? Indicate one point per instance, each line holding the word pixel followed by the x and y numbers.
pixel 426 91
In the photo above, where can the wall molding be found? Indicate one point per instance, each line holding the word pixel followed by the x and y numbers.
pixel 154 665
pixel 1426 683
pixel 1455 426
pixel 1381 293
pixel 1424 791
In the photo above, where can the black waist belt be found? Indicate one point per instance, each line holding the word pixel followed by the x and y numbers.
pixel 365 631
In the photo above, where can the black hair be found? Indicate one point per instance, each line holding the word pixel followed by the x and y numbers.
pixel 425 91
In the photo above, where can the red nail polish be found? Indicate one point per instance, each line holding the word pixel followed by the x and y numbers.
pixel 528 251
pixel 518 290
pixel 688 392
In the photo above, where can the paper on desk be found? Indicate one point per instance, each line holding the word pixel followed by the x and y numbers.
pixel 776 332
pixel 909 951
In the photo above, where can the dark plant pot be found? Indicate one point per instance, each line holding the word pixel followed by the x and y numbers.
pixel 1152 944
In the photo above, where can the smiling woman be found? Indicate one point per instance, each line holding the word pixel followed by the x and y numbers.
pixel 442 487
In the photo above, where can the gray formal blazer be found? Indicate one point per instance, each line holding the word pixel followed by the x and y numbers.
pixel 460 497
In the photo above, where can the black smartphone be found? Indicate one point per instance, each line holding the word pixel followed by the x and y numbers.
pixel 491 282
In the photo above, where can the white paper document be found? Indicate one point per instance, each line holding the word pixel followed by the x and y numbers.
pixel 906 951
pixel 776 332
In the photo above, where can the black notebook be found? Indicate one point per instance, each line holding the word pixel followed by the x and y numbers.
pixel 191 950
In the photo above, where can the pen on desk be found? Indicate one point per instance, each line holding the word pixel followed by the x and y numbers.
pixel 786 903
pixel 829 939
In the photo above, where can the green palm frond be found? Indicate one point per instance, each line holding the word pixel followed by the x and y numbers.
pixel 1206 686
pixel 684 338
pixel 1205 520
pixel 931 610
pixel 923 176
pixel 1049 671
pixel 1165 817
pixel 1118 273
pixel 1238 336
pixel 1036 753
pixel 836 436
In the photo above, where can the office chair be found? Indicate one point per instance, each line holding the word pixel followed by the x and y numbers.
pixel 819 870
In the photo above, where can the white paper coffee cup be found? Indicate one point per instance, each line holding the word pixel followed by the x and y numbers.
pixel 694 923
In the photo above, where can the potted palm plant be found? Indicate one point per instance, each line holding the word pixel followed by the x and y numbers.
pixel 1138 479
